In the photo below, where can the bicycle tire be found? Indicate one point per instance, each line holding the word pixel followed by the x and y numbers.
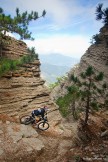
pixel 25 119
pixel 43 125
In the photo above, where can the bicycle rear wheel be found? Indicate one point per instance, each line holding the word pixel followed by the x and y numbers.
pixel 26 119
pixel 43 125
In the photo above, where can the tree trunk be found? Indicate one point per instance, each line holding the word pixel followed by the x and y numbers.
pixel 73 109
pixel 1 46
pixel 88 102
pixel 87 110
pixel 0 51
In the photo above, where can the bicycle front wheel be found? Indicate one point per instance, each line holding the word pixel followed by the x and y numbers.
pixel 25 119
pixel 43 125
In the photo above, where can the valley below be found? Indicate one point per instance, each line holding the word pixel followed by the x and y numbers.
pixel 55 66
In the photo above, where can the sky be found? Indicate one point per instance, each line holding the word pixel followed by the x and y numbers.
pixel 67 27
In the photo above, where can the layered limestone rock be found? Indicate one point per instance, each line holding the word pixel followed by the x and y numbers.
pixel 95 56
pixel 22 90
pixel 14 48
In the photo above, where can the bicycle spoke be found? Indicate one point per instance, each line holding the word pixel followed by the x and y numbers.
pixel 43 125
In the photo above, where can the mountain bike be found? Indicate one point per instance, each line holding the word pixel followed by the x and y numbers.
pixel 41 123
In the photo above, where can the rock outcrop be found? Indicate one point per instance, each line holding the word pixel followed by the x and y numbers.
pixel 14 48
pixel 23 143
pixel 94 137
pixel 95 56
pixel 22 90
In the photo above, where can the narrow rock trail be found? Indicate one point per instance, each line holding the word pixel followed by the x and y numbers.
pixel 56 146
pixel 23 143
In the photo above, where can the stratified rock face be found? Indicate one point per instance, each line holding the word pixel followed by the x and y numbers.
pixel 96 56
pixel 14 49
pixel 22 90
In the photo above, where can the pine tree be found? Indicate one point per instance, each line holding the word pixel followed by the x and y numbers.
pixel 90 90
pixel 18 24
pixel 74 97
pixel 102 14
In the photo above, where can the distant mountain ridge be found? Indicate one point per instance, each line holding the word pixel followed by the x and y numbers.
pixel 58 59
pixel 55 65
pixel 51 72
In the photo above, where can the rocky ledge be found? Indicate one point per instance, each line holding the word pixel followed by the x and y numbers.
pixel 23 90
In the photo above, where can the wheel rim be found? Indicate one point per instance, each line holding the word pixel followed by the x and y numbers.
pixel 25 119
pixel 43 126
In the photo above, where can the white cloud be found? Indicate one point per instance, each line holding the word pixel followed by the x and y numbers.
pixel 68 45
pixel 61 14
pixel 60 11
pixel 56 9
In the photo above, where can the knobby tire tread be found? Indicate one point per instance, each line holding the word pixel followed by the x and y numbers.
pixel 45 123
pixel 25 122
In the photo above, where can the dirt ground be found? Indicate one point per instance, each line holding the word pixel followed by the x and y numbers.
pixel 61 142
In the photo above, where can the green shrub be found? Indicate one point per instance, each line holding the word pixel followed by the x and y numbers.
pixel 12 65
pixel 4 66
pixel 63 103
pixel 58 82
pixel 8 64
pixel 95 39
pixel 94 106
